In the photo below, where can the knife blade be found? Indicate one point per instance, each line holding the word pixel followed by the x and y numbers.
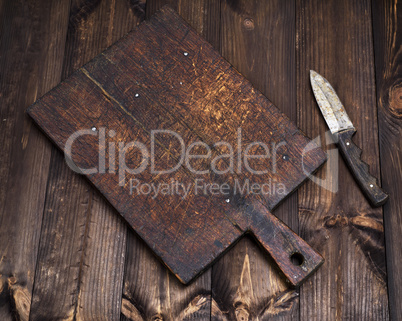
pixel 343 130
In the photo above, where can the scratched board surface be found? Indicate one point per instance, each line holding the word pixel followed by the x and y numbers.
pixel 133 113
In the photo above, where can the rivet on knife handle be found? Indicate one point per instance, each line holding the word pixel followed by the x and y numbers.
pixel 360 169
pixel 342 128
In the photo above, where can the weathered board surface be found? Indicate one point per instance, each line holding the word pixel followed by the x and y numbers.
pixel 387 29
pixel 81 257
pixel 150 292
pixel 32 45
pixel 334 38
pixel 163 76
pixel 253 36
pixel 259 41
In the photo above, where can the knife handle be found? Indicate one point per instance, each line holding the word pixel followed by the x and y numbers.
pixel 296 259
pixel 360 170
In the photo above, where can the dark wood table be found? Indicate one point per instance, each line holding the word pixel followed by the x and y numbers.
pixel 65 254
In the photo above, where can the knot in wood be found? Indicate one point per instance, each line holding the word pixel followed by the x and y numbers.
pixel 21 300
pixel 395 100
pixel 157 317
pixel 12 280
pixel 242 315
pixel 367 222
pixel 199 300
pixel 248 24
pixel 337 220
pixel 241 312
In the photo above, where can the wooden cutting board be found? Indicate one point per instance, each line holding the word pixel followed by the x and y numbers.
pixel 165 77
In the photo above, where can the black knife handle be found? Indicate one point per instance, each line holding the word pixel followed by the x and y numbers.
pixel 360 169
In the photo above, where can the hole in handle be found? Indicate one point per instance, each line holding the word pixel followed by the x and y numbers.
pixel 297 259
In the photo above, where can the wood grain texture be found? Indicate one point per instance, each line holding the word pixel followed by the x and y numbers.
pixel 149 290
pixel 32 45
pixel 387 17
pixel 258 39
pixel 83 240
pixel 129 90
pixel 335 39
pixel 202 15
pixel 32 39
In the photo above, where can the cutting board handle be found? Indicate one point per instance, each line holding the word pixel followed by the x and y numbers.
pixel 294 256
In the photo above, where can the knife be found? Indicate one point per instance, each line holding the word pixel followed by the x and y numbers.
pixel 343 130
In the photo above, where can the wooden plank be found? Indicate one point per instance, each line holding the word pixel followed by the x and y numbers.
pixel 83 240
pixel 202 15
pixel 130 91
pixel 31 56
pixel 148 288
pixel 258 39
pixel 151 292
pixel 334 38
pixel 387 17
